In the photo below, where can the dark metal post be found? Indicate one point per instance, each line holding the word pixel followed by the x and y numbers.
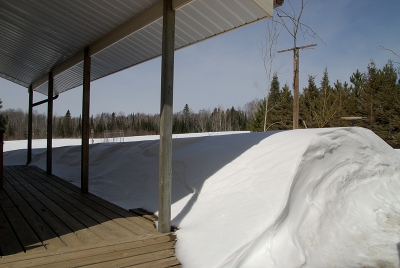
pixel 49 125
pixel 85 123
pixel 30 119
pixel 165 156
pixel 1 158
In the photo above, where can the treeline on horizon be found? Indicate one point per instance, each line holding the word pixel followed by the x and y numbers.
pixel 373 95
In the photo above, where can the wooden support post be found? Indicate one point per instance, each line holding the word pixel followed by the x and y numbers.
pixel 165 156
pixel 296 89
pixel 30 119
pixel 296 68
pixel 50 125
pixel 85 123
pixel 1 158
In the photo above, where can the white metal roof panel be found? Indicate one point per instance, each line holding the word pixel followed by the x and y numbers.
pixel 42 35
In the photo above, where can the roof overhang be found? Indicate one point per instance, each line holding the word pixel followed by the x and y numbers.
pixel 42 36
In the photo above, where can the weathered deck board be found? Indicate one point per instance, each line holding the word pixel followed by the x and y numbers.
pixel 46 222
pixel 118 212
pixel 64 233
pixel 27 237
pixel 87 202
pixel 44 232
pixel 65 216
pixel 8 242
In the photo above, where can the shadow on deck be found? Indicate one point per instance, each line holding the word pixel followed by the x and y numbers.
pixel 46 221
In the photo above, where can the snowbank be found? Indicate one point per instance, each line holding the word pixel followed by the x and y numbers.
pixel 304 198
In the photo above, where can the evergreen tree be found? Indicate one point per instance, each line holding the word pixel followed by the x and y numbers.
pixel 326 103
pixel 186 120
pixel 387 106
pixel 3 120
pixel 59 129
pixel 342 93
pixel 308 103
pixel 354 105
pixel 79 127
pixel 368 96
pixel 274 103
pixel 286 107
pixel 67 125
pixel 267 114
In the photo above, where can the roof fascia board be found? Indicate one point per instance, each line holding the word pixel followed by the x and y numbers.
pixel 135 24
pixel 266 5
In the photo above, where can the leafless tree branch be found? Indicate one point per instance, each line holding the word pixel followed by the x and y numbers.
pixel 397 55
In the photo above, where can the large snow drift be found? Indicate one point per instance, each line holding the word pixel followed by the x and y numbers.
pixel 309 198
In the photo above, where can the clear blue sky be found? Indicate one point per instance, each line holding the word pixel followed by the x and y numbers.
pixel 222 70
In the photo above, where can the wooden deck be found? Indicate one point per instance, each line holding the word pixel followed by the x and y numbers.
pixel 46 222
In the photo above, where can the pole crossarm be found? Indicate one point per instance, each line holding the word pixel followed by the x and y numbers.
pixel 351 118
pixel 293 48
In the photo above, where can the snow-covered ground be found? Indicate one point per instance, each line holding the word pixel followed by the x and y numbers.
pixel 303 198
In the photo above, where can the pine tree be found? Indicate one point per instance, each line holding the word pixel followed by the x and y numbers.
pixel 59 129
pixel 274 102
pixel 354 105
pixel 308 103
pixel 286 107
pixel 79 127
pixel 386 102
pixel 267 112
pixel 67 125
pixel 325 104
pixel 368 94
pixel 3 120
pixel 342 93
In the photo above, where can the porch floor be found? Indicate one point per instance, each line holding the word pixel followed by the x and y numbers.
pixel 46 222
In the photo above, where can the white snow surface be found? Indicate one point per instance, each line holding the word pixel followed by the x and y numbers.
pixel 301 198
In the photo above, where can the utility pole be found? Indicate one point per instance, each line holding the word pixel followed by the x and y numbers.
pixel 296 58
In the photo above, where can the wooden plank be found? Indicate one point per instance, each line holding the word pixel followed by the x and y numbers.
pixel 168 262
pixel 9 243
pixel 26 236
pixel 104 203
pixel 119 258
pixel 85 255
pixel 136 259
pixel 59 227
pixel 86 249
pixel 49 238
pixel 89 216
pixel 74 225
pixel 145 214
pixel 117 223
pixel 97 231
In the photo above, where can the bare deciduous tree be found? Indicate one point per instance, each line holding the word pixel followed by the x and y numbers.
pixel 268 52
pixel 387 49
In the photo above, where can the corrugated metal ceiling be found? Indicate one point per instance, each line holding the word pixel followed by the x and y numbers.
pixel 37 36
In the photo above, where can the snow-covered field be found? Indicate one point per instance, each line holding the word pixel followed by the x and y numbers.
pixel 303 198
